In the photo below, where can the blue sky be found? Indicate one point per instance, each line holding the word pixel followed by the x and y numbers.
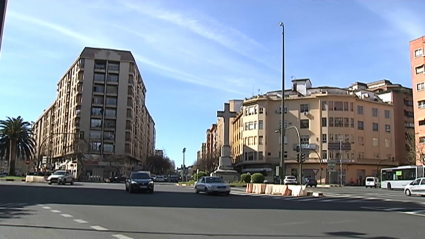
pixel 195 55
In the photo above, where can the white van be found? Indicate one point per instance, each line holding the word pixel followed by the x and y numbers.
pixel 372 182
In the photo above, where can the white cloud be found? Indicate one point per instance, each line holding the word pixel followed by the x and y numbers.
pixel 206 27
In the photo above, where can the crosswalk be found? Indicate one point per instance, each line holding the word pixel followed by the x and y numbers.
pixel 407 211
pixel 334 198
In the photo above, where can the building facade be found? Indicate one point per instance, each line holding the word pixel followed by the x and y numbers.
pixel 99 111
pixel 327 118
pixel 211 140
pixel 417 61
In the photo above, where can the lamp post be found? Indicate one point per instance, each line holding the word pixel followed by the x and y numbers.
pixel 184 165
pixel 340 162
pixel 282 117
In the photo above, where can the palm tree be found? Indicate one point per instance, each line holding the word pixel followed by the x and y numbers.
pixel 16 140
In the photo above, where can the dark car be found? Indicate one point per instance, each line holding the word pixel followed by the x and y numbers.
pixel 117 179
pixel 139 181
pixel 174 178
pixel 310 182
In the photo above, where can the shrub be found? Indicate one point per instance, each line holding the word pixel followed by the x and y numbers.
pixel 257 178
pixel 199 175
pixel 246 178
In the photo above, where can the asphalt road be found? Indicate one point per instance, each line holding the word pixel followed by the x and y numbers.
pixel 107 211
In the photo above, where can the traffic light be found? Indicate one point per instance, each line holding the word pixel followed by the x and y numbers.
pixel 299 157
pixel 302 157
pixel 297 148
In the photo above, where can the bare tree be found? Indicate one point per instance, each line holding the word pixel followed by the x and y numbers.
pixel 209 162
pixel 116 161
pixel 158 165
pixel 415 150
pixel 82 147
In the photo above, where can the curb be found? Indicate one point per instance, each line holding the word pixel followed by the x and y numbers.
pixel 12 180
pixel 329 186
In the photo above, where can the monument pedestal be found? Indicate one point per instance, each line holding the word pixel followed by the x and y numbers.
pixel 228 174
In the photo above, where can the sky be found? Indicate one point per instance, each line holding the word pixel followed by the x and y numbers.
pixel 196 55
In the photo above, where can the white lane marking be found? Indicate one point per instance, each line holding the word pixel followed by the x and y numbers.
pixel 328 200
pixel 414 212
pixel 56 211
pixel 308 199
pixel 80 221
pixel 99 228
pixel 121 236
pixel 66 215
pixel 40 205
pixel 393 209
pixel 47 207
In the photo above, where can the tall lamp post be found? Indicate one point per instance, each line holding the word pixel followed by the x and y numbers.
pixel 184 165
pixel 282 116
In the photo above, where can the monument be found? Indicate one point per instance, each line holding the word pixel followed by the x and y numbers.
pixel 225 169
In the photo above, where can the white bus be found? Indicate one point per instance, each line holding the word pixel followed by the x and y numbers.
pixel 399 177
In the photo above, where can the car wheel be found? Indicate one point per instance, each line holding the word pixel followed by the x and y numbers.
pixel 206 191
pixel 72 182
pixel 196 190
pixel 50 183
pixel 151 191
pixel 407 192
pixel 126 188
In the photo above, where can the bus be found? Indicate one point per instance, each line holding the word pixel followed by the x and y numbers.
pixel 399 177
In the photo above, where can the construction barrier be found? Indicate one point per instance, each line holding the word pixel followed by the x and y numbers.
pixel 274 189
pixel 249 188
pixel 35 179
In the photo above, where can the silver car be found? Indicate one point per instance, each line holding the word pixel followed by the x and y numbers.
pixel 61 177
pixel 211 185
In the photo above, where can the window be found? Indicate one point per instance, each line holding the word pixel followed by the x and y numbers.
pixel 95 134
pixel 113 78
pixel 324 105
pixel 111 90
pixel 421 104
pixel 96 123
pixel 304 124
pixel 112 66
pixel 99 88
pixel 338 106
pixel 387 114
pixel 331 106
pixel 331 122
pixel 387 143
pixel 359 109
pixel 375 126
pixel 96 111
pixel 351 106
pixel 419 52
pixel 346 122
pixel 100 65
pixel 305 139
pixel 251 125
pixel 260 140
pixel 324 138
pixel 304 108
pixel 260 124
pixel 408 102
pixel 422 140
pixel 99 77
pixel 375 142
pixel 352 122
pixel 261 110
pixel 324 122
pixel 339 122
pixel 419 69
pixel 109 135
pixel 111 101
pixel 260 155
pixel 360 125
pixel 387 128
pixel 324 154
pixel 97 100
pixel 346 106
pixel 108 148
pixel 421 123
pixel 110 112
pixel 109 123
pixel 374 112
pixel 96 146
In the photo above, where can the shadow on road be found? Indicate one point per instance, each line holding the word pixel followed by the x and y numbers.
pixel 187 234
pixel 13 212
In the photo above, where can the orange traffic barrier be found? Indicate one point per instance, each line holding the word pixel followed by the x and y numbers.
pixel 249 188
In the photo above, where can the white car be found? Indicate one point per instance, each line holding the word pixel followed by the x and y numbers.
pixel 290 180
pixel 372 182
pixel 417 187
pixel 211 185
pixel 61 177
pixel 159 178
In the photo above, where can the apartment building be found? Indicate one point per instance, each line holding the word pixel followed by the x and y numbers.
pixel 211 140
pixel 327 118
pixel 99 111
pixel 417 62
pixel 402 99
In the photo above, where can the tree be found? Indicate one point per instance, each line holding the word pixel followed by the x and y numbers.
pixel 415 150
pixel 81 150
pixel 158 165
pixel 16 140
pixel 208 162
pixel 116 161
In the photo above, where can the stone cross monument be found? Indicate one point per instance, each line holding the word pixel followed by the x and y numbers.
pixel 225 169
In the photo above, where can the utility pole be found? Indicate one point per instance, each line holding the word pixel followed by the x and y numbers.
pixel 184 165
pixel 340 161
pixel 282 109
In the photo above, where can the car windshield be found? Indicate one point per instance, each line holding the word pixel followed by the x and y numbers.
pixel 140 176
pixel 290 177
pixel 59 173
pixel 214 180
pixel 369 179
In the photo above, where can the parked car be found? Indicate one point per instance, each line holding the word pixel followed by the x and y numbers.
pixel 117 179
pixel 310 182
pixel 288 180
pixel 212 185
pixel 159 178
pixel 174 178
pixel 61 177
pixel 139 181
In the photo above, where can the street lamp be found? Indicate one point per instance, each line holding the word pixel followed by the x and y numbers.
pixel 299 145
pixel 184 165
pixel 282 117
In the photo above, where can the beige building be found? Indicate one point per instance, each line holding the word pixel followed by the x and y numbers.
pixel 99 110
pixel 211 140
pixel 235 106
pixel 326 117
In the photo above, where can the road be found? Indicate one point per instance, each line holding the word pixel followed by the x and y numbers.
pixel 89 210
